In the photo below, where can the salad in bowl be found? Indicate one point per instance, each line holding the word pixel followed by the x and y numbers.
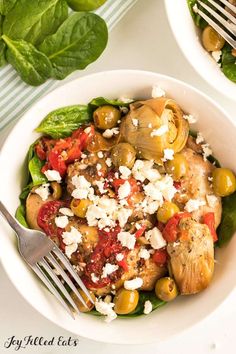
pixel 133 197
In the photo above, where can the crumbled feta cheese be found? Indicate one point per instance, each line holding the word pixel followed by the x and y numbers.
pixel 109 269
pixel 216 55
pixel 211 200
pixel 133 284
pixel 83 156
pixel 143 253
pixel 194 204
pixel 135 122
pixel 83 189
pixel 155 238
pixel 98 166
pixel 157 92
pixel 87 130
pixel 160 131
pixel 123 110
pixel 100 154
pixel 72 236
pixel 163 188
pixel 126 239
pixel 101 186
pixel 94 278
pixel 147 307
pixel 101 213
pixel 190 118
pixel 124 190
pixel 108 133
pixel 70 249
pixel 119 257
pixel 106 309
pixel 125 172
pixel 53 175
pixel 144 170
pixel 149 125
pixel 108 162
pixel 123 215
pixel 66 211
pixel 43 191
pixel 62 221
pixel 168 154
pixel 206 151
pixel 199 138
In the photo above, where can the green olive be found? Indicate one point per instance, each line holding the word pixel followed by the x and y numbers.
pixel 82 5
pixel 123 154
pixel 212 40
pixel 80 206
pixel 224 182
pixel 125 301
pixel 178 167
pixel 106 117
pixel 166 289
pixel 166 211
pixel 79 304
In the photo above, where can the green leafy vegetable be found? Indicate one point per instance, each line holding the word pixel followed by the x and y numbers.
pixel 228 63
pixel 101 101
pixel 32 66
pixel 26 190
pixel 33 20
pixel 20 215
pixel 6 6
pixel 143 296
pixel 199 21
pixel 63 121
pixel 227 226
pixel 35 166
pixel 85 5
pixel 78 42
pixel 2 53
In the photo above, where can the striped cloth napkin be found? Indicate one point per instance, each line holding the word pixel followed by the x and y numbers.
pixel 16 96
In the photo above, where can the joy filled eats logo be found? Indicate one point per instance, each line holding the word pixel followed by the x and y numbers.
pixel 16 343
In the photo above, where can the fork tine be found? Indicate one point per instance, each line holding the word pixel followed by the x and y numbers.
pixel 58 267
pixel 43 263
pixel 230 6
pixel 218 29
pixel 223 11
pixel 225 23
pixel 53 290
pixel 69 267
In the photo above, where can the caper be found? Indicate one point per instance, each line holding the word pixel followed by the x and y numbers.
pixel 125 301
pixel 212 40
pixel 80 206
pixel 80 305
pixel 106 117
pixel 224 182
pixel 178 167
pixel 56 190
pixel 166 289
pixel 166 211
pixel 123 154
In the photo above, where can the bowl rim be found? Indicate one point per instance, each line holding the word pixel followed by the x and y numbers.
pixel 62 87
pixel 203 74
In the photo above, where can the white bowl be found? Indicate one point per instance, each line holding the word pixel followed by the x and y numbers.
pixel 173 318
pixel 188 39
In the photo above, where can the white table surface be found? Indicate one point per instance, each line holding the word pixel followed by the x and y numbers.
pixel 142 40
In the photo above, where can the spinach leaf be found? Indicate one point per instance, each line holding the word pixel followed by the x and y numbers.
pixel 63 121
pixel 227 226
pixel 32 66
pixel 25 191
pixel 2 53
pixel 101 101
pixel 33 20
pixel 35 165
pixel 20 215
pixel 199 21
pixel 6 6
pixel 228 63
pixel 79 41
pixel 85 5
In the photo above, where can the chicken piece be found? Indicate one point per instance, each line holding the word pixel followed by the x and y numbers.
pixel 89 168
pixel 150 273
pixel 196 185
pixel 192 257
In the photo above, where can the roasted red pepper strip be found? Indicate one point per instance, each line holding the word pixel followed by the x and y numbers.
pixel 170 232
pixel 160 256
pixel 209 220
pixel 140 232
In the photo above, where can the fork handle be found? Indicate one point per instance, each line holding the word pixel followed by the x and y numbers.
pixel 10 219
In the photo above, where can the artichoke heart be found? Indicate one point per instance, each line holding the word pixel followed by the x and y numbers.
pixel 146 136
pixel 192 257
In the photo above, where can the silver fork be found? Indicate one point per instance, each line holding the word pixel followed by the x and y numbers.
pixel 44 257
pixel 222 21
